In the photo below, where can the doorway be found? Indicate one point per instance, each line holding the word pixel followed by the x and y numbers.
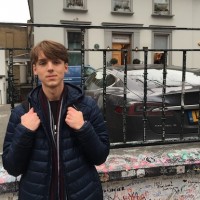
pixel 120 42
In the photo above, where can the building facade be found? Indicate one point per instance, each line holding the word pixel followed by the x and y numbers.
pixel 13 41
pixel 156 24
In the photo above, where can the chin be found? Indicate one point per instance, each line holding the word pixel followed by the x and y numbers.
pixel 53 84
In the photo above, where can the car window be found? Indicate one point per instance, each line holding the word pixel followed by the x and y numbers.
pixel 73 72
pixel 95 81
pixel 88 71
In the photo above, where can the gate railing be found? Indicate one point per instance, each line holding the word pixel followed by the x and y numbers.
pixel 146 52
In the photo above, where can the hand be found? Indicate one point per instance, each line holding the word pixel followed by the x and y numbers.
pixel 30 120
pixel 74 118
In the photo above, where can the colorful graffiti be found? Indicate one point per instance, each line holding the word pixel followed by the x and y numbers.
pixel 137 173
pixel 137 163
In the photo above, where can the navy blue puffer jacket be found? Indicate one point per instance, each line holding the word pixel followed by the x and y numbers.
pixel 29 154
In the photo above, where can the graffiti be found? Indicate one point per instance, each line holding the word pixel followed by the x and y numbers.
pixel 166 186
pixel 180 169
pixel 180 187
pixel 126 173
pixel 140 173
pixel 148 162
pixel 132 168
pixel 168 170
pixel 196 168
pixel 181 156
pixel 134 196
pixel 114 189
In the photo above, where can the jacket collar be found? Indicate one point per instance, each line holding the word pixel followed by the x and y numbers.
pixel 73 94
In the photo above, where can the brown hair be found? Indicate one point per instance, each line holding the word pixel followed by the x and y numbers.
pixel 51 49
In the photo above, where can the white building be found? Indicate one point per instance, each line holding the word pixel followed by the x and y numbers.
pixel 176 17
pixel 2 77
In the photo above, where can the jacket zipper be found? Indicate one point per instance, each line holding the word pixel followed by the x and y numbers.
pixel 50 177
pixel 55 129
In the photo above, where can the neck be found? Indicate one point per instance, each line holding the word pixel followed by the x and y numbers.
pixel 53 94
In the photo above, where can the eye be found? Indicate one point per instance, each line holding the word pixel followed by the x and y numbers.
pixel 42 62
pixel 56 62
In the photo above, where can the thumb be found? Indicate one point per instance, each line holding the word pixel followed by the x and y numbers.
pixel 31 110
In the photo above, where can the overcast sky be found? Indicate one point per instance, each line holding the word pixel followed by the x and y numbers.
pixel 14 11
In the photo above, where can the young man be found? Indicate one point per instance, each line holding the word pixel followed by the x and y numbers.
pixel 57 143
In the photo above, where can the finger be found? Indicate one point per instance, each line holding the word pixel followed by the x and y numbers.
pixel 71 108
pixel 31 110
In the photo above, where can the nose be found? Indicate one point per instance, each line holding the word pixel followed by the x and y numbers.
pixel 50 65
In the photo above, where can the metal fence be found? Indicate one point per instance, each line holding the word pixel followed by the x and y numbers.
pixel 124 142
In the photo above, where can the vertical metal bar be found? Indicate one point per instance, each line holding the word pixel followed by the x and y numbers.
pixel 163 118
pixel 183 94
pixel 124 113
pixel 104 84
pixel 82 58
pixel 145 93
pixel 11 79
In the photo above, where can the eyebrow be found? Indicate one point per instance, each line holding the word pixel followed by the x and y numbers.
pixel 42 59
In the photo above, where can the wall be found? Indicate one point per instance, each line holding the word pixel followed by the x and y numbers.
pixel 100 11
pixel 13 37
pixel 179 187
pixel 2 63
pixel 160 172
pixel 2 77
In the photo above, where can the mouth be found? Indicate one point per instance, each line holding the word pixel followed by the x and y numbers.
pixel 51 77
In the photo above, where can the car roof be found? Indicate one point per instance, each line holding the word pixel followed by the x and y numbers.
pixel 155 74
pixel 151 66
pixel 131 67
pixel 71 66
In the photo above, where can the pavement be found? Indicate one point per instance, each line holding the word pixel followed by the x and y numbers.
pixel 8 196
pixel 5 110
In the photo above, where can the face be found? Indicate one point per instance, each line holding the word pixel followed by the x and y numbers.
pixel 50 72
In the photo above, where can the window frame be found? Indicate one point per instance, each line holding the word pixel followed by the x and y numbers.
pixel 163 12
pixel 69 7
pixel 74 51
pixel 119 8
pixel 168 34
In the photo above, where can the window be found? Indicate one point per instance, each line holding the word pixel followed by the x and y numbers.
pixel 123 6
pixel 75 4
pixel 161 7
pixel 74 43
pixel 161 41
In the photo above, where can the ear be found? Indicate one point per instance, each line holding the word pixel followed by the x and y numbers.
pixel 34 70
pixel 66 67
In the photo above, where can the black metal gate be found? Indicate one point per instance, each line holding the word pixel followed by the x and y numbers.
pixel 146 51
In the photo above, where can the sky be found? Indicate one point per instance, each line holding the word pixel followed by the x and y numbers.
pixel 14 11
